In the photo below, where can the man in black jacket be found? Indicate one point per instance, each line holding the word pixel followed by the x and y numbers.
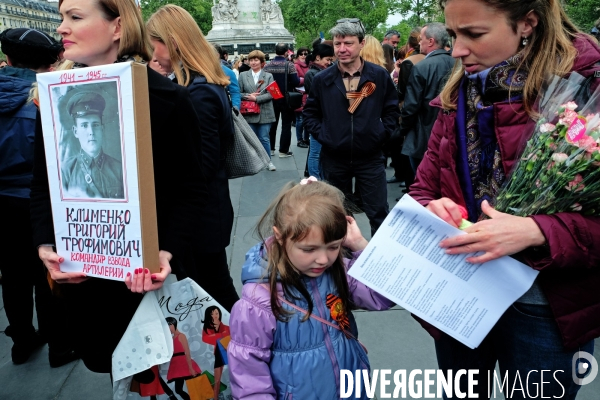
pixel 352 110
pixel 277 68
pixel 425 83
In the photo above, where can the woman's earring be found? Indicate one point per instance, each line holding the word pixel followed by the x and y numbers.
pixel 525 41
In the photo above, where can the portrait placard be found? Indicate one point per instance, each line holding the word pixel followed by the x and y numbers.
pixel 98 145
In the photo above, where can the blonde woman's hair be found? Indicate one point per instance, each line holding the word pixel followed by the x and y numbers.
pixel 133 32
pixel 549 50
pixel 175 27
pixel 294 212
pixel 134 40
pixel 373 51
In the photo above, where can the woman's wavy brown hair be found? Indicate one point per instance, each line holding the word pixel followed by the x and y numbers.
pixel 549 50
pixel 176 28
pixel 296 210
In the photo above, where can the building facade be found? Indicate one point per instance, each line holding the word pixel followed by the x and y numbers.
pixel 38 14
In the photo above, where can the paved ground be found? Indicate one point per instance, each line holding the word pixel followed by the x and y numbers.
pixel 395 341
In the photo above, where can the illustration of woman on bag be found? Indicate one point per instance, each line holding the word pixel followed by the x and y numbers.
pixel 213 332
pixel 182 366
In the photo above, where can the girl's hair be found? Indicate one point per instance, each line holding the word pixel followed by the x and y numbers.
pixel 388 54
pixel 322 50
pixel 175 28
pixel 208 324
pixel 549 51
pixel 257 54
pixel 236 64
pixel 134 40
pixel 294 212
pixel 372 51
pixel 171 321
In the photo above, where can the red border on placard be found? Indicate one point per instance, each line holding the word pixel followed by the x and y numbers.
pixel 116 79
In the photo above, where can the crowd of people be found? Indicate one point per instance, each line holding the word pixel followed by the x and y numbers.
pixel 449 108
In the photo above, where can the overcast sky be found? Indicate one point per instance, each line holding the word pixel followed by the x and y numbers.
pixel 393 19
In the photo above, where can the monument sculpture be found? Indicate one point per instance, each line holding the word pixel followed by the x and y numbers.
pixel 225 11
pixel 270 11
pixel 241 26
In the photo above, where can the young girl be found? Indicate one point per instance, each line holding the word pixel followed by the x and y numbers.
pixel 277 351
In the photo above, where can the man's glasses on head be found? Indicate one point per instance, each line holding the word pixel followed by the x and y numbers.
pixel 352 21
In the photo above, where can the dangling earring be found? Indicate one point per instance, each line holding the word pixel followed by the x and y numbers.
pixel 525 41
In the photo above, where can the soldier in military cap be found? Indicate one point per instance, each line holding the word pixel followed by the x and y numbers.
pixel 91 173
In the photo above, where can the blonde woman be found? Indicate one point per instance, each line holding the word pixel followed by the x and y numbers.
pixel 181 49
pixel 236 68
pixel 96 33
pixel 373 51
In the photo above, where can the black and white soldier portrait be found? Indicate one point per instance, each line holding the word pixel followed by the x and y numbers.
pixel 87 170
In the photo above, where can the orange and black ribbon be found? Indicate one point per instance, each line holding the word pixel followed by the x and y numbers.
pixel 338 312
pixel 367 90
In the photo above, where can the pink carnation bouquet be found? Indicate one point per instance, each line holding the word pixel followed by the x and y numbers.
pixel 559 170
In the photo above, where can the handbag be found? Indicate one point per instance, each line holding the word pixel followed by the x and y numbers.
pixel 222 345
pixel 245 153
pixel 199 388
pixel 211 379
pixel 293 99
pixel 249 107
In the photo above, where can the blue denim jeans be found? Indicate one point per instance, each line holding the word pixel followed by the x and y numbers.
pixel 262 132
pixel 300 133
pixel 314 164
pixel 526 340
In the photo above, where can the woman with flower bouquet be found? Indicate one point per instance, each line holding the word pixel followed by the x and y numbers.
pixel 507 48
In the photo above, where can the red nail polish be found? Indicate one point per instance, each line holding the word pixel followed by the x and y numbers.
pixel 146 271
pixel 153 277
pixel 136 271
pixel 128 274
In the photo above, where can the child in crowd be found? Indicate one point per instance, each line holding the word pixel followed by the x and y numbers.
pixel 292 331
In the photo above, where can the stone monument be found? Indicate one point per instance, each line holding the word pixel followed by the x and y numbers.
pixel 241 26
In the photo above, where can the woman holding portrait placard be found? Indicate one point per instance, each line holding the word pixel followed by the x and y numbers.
pixel 96 33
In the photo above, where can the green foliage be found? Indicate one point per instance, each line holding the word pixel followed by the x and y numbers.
pixel 420 11
pixel 199 9
pixel 306 18
pixel 404 27
pixel 583 13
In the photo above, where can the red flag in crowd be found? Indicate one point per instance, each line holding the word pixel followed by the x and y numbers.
pixel 273 88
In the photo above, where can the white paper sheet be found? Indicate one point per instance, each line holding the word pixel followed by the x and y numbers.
pixel 404 262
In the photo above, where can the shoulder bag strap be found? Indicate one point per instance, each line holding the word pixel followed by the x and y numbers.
pixel 287 66
pixel 312 315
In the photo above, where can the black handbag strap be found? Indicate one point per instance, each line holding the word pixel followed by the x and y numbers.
pixel 287 66
pixel 585 89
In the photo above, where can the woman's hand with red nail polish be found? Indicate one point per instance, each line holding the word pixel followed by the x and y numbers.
pixel 52 262
pixel 142 281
